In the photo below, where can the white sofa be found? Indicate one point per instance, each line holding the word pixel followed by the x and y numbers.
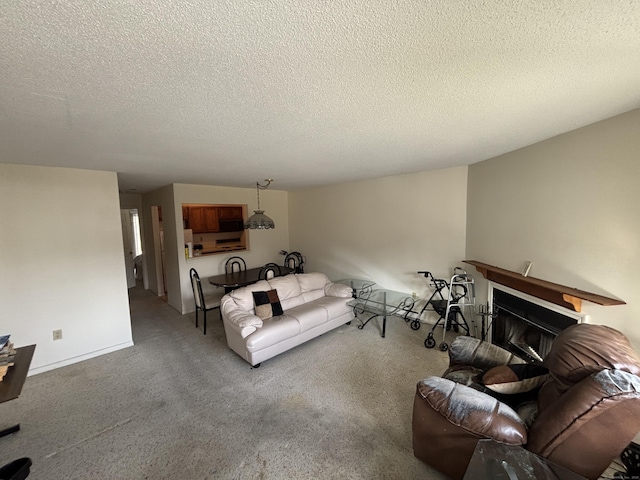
pixel 312 305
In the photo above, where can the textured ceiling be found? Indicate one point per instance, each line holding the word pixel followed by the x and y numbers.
pixel 228 92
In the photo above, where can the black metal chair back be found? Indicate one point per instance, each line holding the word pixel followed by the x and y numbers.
pixel 295 261
pixel 235 264
pixel 269 270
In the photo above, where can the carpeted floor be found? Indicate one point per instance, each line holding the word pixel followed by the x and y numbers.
pixel 181 405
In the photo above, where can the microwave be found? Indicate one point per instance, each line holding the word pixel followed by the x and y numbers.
pixel 231 225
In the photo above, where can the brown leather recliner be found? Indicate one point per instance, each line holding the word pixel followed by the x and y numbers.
pixel 588 409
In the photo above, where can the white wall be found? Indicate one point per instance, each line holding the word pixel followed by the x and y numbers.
pixel 384 229
pixel 163 198
pixel 264 245
pixel 62 263
pixel 570 205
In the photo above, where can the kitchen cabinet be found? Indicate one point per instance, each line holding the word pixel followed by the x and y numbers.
pixel 230 213
pixel 203 219
pixel 213 218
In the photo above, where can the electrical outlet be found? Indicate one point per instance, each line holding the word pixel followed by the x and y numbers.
pixel 414 295
pixel 57 334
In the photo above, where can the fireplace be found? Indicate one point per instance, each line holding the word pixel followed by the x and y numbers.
pixel 526 325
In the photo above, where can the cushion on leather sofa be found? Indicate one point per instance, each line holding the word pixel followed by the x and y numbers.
pixel 287 286
pixel 244 296
pixel 589 349
pixel 312 281
pixel 308 315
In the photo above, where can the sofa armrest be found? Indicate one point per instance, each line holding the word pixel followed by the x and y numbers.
pixel 243 319
pixel 475 412
pixel 242 332
pixel 465 350
pixel 337 290
pixel 449 419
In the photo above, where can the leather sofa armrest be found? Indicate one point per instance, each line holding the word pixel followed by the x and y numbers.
pixel 470 351
pixel 243 319
pixel 337 290
pixel 243 332
pixel 476 412
pixel 449 419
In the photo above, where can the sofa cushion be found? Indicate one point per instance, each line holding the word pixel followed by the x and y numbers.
pixel 312 295
pixel 312 281
pixel 583 349
pixel 309 315
pixel 273 331
pixel 335 306
pixel 267 304
pixel 287 286
pixel 515 378
pixel 243 296
pixel 291 302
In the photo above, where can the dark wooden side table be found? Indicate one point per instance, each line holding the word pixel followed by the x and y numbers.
pixel 11 385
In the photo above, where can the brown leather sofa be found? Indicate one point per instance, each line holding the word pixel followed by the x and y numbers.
pixel 582 417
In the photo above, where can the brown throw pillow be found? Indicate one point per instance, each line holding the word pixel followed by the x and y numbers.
pixel 515 378
pixel 267 304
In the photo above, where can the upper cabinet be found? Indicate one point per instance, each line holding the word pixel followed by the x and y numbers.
pixel 203 219
pixel 230 213
pixel 212 218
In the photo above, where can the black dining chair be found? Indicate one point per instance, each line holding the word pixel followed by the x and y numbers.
pixel 204 303
pixel 235 264
pixel 269 270
pixel 295 261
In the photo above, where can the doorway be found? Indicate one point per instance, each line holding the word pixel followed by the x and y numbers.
pixel 132 245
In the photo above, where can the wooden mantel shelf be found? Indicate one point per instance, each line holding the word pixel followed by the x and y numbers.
pixel 552 292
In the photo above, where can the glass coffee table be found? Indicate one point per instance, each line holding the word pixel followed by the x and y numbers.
pixel 495 461
pixel 380 303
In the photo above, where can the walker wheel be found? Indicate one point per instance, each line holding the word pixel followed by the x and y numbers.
pixel 444 347
pixel 415 325
pixel 429 342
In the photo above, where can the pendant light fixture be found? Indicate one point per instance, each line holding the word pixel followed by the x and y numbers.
pixel 259 220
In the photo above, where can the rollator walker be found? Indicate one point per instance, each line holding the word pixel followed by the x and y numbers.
pixel 449 300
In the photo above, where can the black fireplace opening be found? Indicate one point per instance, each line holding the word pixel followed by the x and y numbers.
pixel 525 328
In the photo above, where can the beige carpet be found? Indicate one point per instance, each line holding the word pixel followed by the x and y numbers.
pixel 181 405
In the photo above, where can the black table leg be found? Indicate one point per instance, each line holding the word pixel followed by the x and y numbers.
pixel 10 430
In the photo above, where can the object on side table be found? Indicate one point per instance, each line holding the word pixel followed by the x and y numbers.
pixel 630 458
pixel 588 410
pixel 11 387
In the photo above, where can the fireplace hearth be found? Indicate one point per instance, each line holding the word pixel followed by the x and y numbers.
pixel 524 325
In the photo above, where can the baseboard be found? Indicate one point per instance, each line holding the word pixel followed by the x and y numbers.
pixel 79 358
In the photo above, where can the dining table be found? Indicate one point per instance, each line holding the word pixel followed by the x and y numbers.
pixel 231 281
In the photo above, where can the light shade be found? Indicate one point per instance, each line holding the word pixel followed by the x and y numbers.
pixel 259 221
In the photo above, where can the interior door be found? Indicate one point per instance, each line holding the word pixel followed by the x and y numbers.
pixel 125 220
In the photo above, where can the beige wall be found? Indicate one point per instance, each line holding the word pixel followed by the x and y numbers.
pixel 384 229
pixel 163 198
pixel 569 205
pixel 62 263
